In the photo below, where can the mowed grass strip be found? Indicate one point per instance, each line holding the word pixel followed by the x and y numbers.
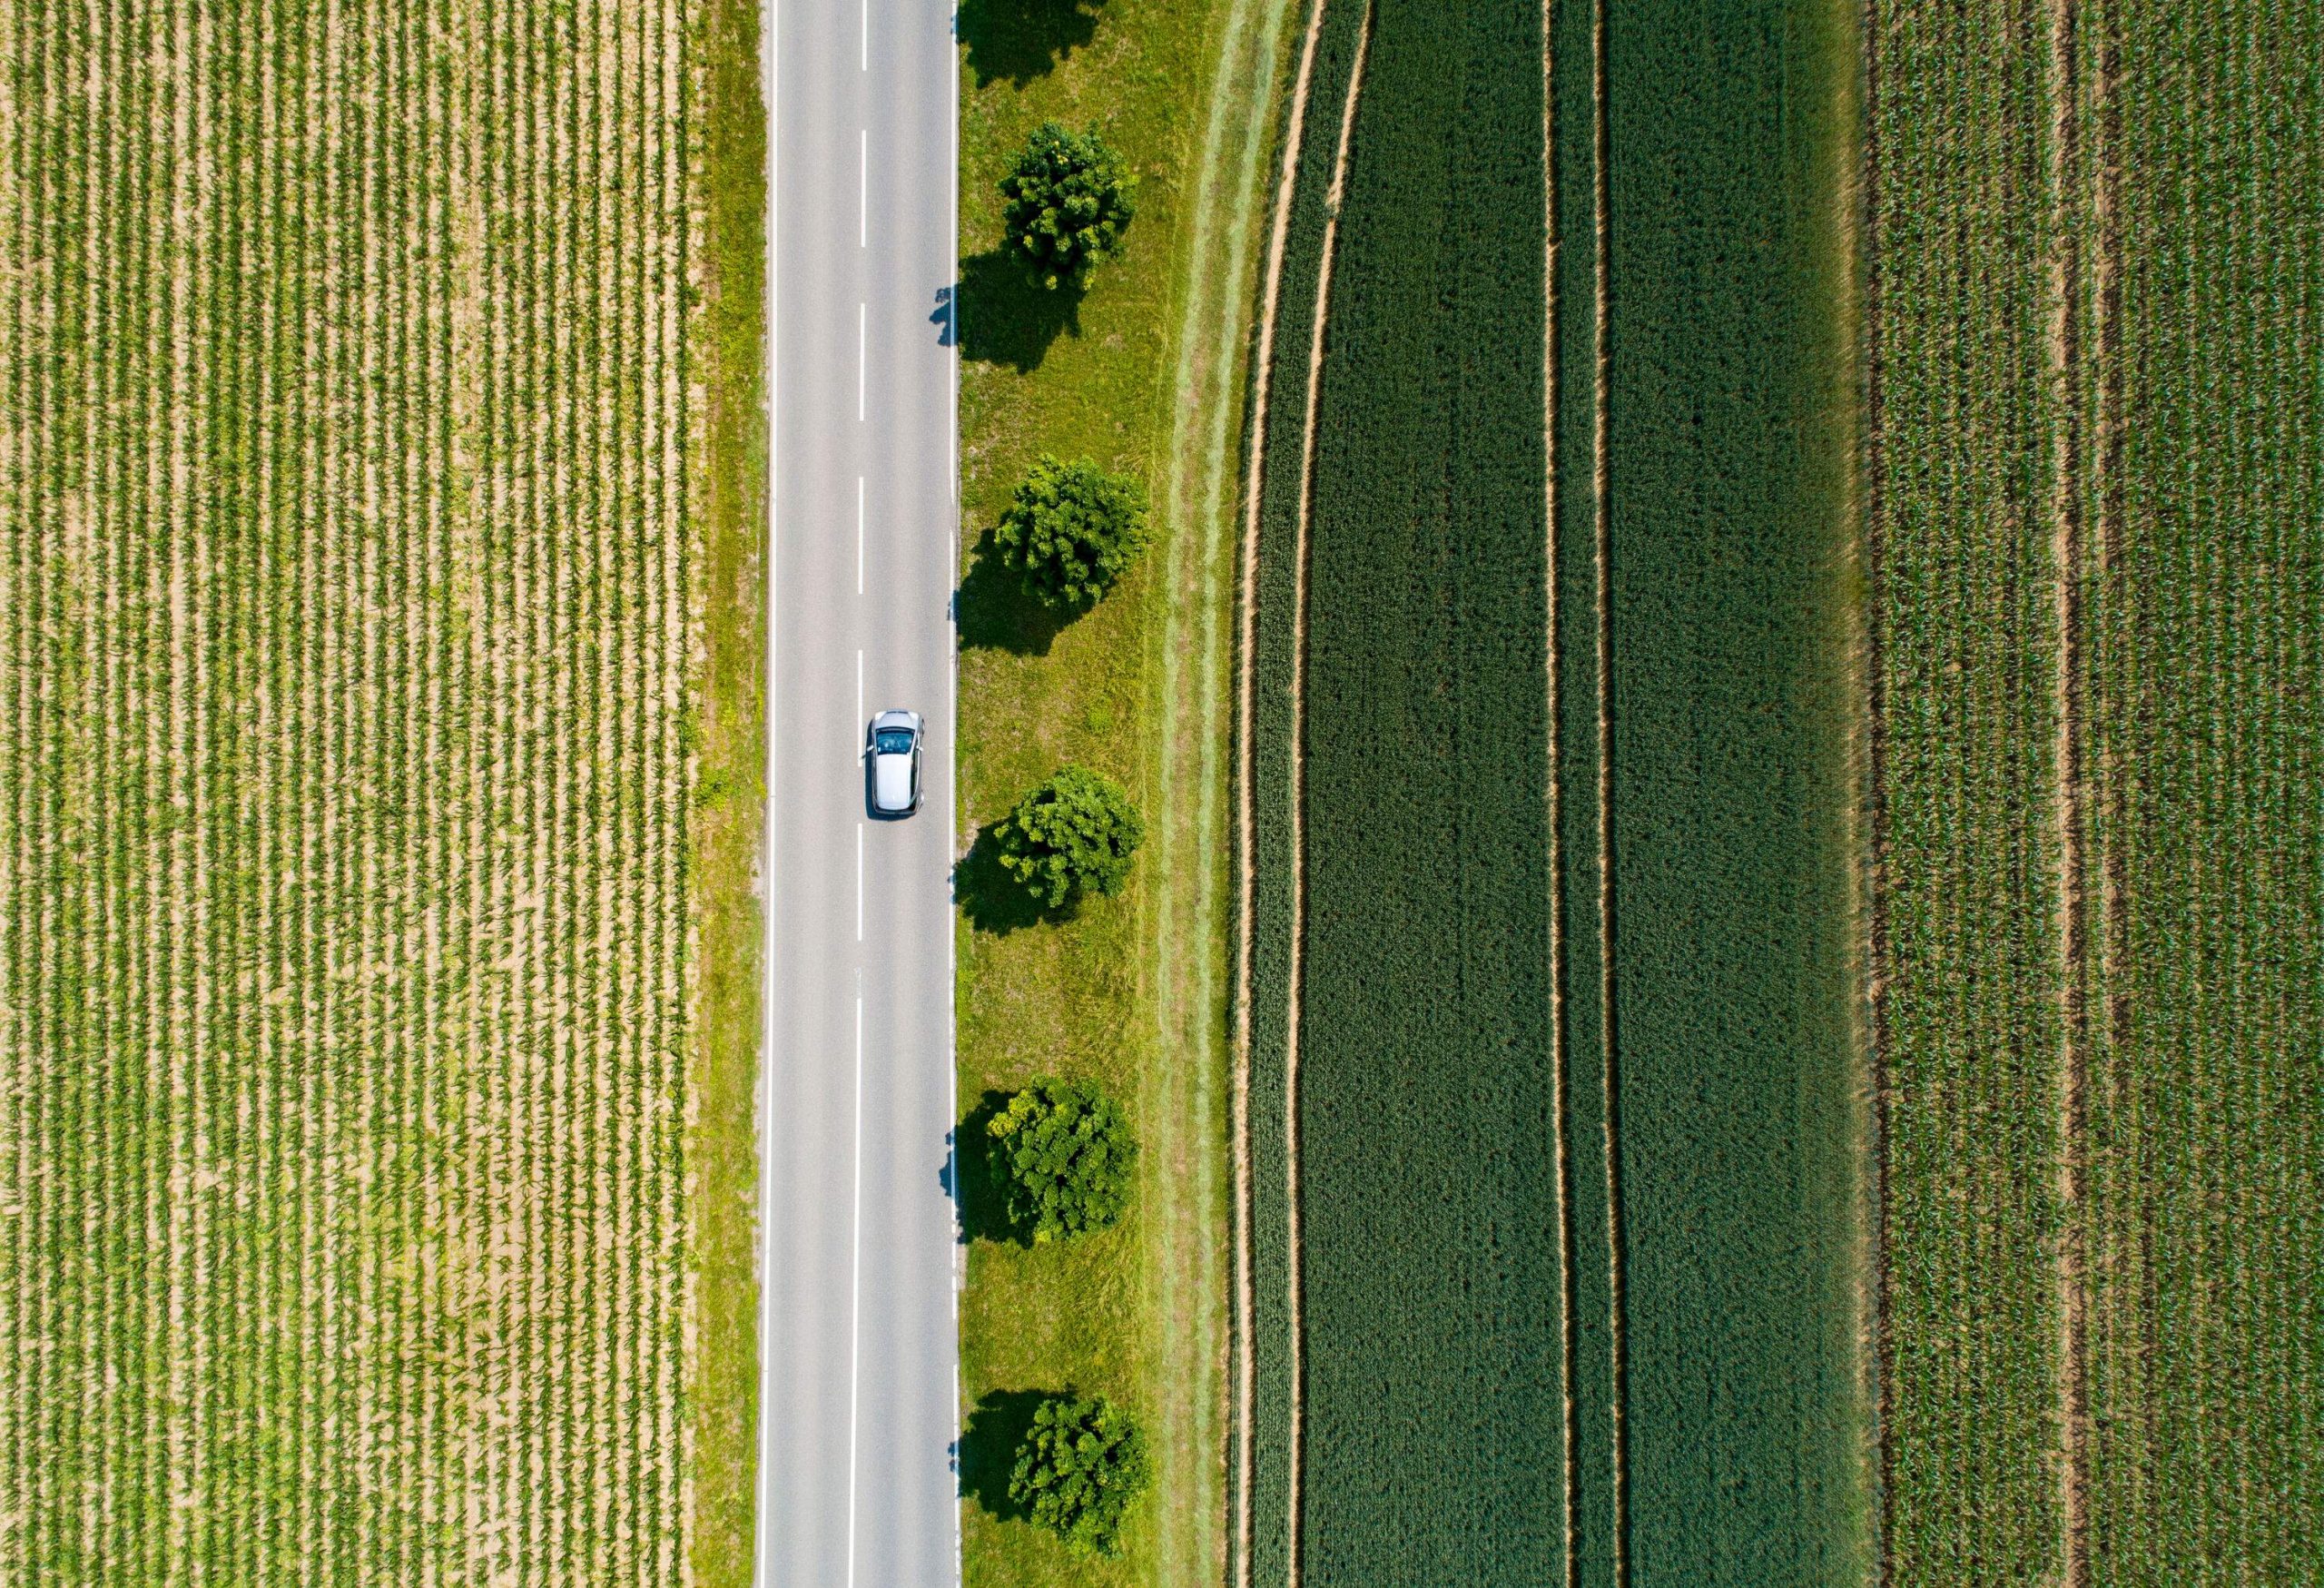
pixel 348 1072
pixel 1730 714
pixel 1429 1249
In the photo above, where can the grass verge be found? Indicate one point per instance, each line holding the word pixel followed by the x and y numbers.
pixel 1142 372
pixel 730 519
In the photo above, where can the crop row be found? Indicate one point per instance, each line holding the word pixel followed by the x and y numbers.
pixel 343 1075
pixel 1968 860
pixel 2166 1438
pixel 1726 699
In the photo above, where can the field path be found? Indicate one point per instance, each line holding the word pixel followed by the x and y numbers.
pixel 1246 1385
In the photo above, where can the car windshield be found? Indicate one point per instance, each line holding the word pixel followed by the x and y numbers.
pixel 892 741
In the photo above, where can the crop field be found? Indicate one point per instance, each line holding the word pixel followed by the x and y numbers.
pixel 363 451
pixel 2098 424
pixel 1540 1296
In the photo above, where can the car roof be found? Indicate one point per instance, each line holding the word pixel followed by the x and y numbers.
pixel 896 719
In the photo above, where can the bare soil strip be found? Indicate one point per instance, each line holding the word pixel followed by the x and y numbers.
pixel 1601 488
pixel 1246 824
pixel 2064 353
pixel 1560 1106
pixel 1298 970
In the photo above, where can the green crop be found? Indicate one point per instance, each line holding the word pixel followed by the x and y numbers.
pixel 347 589
pixel 2183 403
pixel 1435 1379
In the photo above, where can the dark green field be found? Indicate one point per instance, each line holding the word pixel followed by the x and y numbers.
pixel 1732 596
pixel 1431 1253
pixel 1440 1389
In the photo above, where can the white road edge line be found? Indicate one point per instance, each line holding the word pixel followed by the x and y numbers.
pixel 952 782
pixel 770 66
pixel 855 1280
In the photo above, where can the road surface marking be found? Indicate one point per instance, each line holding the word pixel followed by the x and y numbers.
pixel 863 319
pixel 858 881
pixel 858 535
pixel 855 1277
pixel 863 189
pixel 866 65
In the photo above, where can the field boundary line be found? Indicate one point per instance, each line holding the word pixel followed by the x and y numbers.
pixel 1245 819
pixel 2064 353
pixel 1601 492
pixel 1868 867
pixel 1295 1445
pixel 1570 1476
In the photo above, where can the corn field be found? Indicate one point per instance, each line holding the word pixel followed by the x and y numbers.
pixel 347 639
pixel 2097 265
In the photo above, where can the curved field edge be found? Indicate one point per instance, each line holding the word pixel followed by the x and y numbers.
pixel 1132 992
pixel 727 346
pixel 1274 492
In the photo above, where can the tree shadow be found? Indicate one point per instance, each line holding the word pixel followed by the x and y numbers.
pixel 994 901
pixel 983 1215
pixel 1022 39
pixel 988 1444
pixel 1005 317
pixel 997 612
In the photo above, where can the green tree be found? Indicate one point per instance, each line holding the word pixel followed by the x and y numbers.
pixel 1061 1158
pixel 1071 530
pixel 1082 1463
pixel 1070 200
pixel 1075 832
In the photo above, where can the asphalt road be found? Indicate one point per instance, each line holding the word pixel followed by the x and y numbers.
pixel 858 1389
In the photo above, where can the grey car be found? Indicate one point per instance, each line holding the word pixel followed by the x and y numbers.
pixel 894 748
